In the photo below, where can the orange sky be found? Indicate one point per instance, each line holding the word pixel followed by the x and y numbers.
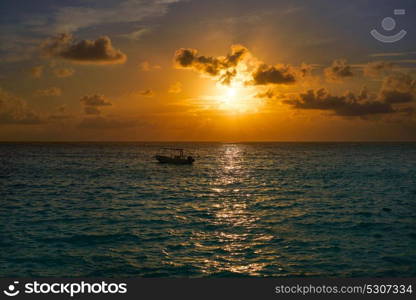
pixel 199 71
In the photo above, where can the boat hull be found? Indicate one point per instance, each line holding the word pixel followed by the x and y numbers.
pixel 177 161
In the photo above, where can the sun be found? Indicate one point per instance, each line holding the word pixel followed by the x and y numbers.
pixel 236 98
pixel 231 93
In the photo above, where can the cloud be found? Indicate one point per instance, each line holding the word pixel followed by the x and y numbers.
pixel 15 111
pixel 377 68
pixel 36 72
pixel 63 72
pixel 349 105
pixel 19 39
pixel 92 103
pixel 306 69
pixel 146 66
pixel 391 54
pixel 175 88
pixel 397 97
pixel 92 110
pixel 339 70
pixel 269 94
pixel 147 93
pixel 280 74
pixel 60 114
pixel 228 76
pixel 240 65
pixel 99 51
pixel 220 67
pixel 237 54
pixel 398 88
pixel 106 123
pixel 136 35
pixel 95 100
pixel 49 92
pixel 72 18
pixel 62 108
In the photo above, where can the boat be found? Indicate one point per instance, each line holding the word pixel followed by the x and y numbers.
pixel 176 157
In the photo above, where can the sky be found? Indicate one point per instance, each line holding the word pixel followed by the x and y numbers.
pixel 198 70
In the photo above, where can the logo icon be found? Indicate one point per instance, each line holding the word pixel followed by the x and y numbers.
pixel 11 291
pixel 389 24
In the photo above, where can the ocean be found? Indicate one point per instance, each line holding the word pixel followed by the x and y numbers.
pixel 242 209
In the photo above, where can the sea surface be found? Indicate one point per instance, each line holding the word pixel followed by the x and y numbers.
pixel 243 209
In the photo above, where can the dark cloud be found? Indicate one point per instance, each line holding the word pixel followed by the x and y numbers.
pixel 377 68
pixel 237 54
pixel 272 95
pixel 225 68
pixel 15 111
pixel 397 97
pixel 210 65
pixel 185 57
pixel 274 75
pixel 347 105
pixel 99 51
pixel 93 102
pixel 147 93
pixel 339 69
pixel 188 58
pixel 398 88
pixel 269 94
pixel 106 123
pixel 228 76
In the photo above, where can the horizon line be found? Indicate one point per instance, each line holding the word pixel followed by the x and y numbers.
pixel 224 142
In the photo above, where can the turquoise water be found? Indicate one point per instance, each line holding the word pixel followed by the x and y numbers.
pixel 257 209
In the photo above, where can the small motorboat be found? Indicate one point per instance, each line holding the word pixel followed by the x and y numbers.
pixel 176 157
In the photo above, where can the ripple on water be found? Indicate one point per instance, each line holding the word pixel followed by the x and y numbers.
pixel 267 209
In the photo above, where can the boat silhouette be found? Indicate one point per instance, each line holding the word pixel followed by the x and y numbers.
pixel 176 157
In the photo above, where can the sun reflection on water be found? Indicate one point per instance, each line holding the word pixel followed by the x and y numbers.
pixel 230 211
